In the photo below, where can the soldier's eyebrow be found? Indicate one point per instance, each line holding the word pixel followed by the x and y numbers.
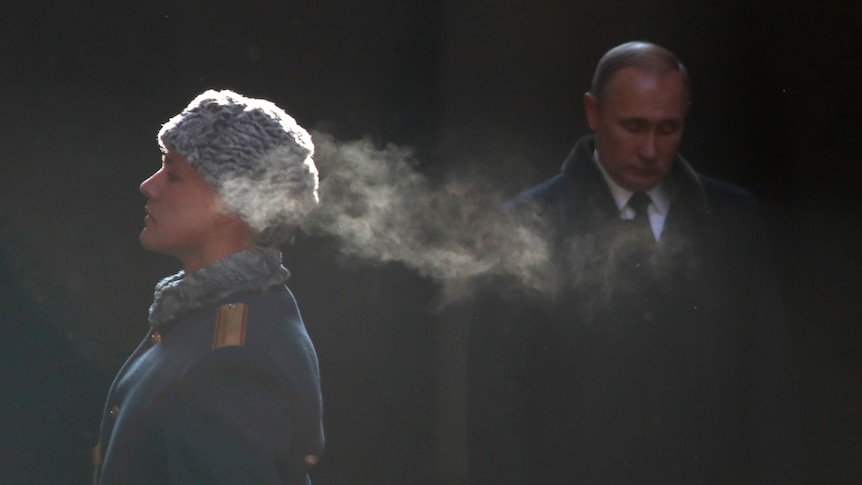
pixel 173 162
pixel 169 160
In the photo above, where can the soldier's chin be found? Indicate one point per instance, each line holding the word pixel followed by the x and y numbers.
pixel 147 240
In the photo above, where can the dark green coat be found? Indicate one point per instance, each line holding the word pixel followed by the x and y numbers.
pixel 181 412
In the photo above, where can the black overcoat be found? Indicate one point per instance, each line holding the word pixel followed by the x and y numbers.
pixel 656 363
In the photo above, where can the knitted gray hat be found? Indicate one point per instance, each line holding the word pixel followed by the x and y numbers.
pixel 253 154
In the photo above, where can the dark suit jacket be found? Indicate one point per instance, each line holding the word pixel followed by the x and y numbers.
pixel 656 363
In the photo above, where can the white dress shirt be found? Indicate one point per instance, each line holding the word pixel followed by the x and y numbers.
pixel 656 210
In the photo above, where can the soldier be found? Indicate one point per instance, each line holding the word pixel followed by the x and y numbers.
pixel 224 387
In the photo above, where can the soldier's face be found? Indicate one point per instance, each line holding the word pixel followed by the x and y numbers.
pixel 182 211
pixel 638 126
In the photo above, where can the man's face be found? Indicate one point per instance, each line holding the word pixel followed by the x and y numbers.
pixel 638 126
pixel 182 210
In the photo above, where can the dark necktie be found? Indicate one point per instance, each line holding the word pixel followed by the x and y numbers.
pixel 634 254
pixel 639 202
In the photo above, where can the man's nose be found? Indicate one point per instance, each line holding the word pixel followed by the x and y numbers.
pixel 648 150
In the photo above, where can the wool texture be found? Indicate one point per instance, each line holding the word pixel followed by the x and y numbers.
pixel 253 154
pixel 254 269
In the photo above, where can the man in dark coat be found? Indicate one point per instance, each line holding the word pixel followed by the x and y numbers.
pixel 658 360
pixel 224 387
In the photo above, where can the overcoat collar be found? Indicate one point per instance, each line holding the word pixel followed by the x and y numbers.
pixel 254 269
pixel 591 192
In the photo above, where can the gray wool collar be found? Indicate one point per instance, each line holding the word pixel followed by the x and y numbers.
pixel 254 269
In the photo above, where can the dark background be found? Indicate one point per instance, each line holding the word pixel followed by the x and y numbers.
pixel 86 85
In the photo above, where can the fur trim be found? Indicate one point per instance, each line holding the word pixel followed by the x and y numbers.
pixel 255 269
pixel 253 154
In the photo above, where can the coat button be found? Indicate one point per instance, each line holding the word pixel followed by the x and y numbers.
pixel 155 337
pixel 114 411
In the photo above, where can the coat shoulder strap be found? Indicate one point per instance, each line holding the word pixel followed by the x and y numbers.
pixel 230 325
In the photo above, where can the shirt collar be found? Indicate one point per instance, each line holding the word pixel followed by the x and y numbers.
pixel 658 194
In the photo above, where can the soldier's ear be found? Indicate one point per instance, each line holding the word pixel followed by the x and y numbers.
pixel 225 213
pixel 227 217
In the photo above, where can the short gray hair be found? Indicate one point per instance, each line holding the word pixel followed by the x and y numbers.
pixel 642 55
pixel 253 154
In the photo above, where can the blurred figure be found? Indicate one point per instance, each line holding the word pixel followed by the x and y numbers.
pixel 49 391
pixel 660 361
pixel 224 387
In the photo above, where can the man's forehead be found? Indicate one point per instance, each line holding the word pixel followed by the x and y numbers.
pixel 634 90
pixel 647 76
